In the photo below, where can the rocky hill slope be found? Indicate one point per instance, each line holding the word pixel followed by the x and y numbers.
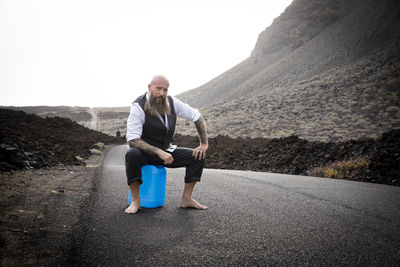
pixel 110 120
pixel 324 70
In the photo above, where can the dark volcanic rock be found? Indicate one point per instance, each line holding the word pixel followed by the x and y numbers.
pixel 292 155
pixel 385 161
pixel 30 141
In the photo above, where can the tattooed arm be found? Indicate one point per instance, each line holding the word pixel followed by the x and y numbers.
pixel 201 129
pixel 152 150
pixel 200 151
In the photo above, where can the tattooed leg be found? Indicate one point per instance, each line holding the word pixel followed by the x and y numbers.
pixel 199 153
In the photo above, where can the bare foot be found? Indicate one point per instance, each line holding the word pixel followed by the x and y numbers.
pixel 133 208
pixel 191 203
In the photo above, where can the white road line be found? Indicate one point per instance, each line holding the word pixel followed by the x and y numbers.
pixel 114 166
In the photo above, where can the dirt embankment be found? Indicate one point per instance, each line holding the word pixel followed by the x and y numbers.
pixel 369 160
pixel 27 141
pixel 47 167
pixel 40 212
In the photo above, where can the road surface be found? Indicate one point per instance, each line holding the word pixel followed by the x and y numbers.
pixel 93 121
pixel 253 219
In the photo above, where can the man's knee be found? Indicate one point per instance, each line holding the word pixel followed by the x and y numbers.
pixel 199 162
pixel 132 155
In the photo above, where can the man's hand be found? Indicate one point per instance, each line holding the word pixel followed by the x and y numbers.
pixel 152 150
pixel 200 151
pixel 166 157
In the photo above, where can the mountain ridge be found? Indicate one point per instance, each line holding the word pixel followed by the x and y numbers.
pixel 325 55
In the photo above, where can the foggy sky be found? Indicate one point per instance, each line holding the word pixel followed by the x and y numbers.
pixel 103 53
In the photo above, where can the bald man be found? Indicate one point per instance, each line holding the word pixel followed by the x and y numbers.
pixel 150 130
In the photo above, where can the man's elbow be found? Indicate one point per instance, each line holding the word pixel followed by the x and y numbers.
pixel 199 120
pixel 133 142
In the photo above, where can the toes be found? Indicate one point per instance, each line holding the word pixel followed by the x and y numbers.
pixel 131 210
pixel 193 204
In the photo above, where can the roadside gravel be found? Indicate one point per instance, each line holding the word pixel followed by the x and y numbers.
pixel 40 210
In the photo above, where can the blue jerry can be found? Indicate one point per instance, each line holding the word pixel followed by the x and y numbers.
pixel 152 191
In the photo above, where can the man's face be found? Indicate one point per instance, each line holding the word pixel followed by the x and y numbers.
pixel 159 89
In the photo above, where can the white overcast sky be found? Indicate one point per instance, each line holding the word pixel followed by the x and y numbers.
pixel 103 53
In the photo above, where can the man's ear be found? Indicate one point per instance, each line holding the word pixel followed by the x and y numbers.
pixel 148 86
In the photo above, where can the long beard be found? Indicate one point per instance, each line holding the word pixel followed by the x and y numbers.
pixel 154 107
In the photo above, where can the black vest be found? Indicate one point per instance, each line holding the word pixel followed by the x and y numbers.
pixel 154 131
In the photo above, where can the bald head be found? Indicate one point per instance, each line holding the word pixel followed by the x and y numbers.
pixel 160 80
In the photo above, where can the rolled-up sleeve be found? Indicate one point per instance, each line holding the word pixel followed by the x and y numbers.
pixel 185 111
pixel 134 125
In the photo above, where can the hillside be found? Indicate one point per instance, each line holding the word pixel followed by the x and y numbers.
pixel 79 114
pixel 111 120
pixel 324 70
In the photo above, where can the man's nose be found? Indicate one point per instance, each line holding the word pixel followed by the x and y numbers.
pixel 163 93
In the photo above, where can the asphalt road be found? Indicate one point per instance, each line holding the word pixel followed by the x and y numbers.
pixel 253 219
pixel 93 121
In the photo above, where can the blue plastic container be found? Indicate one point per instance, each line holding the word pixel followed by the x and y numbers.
pixel 152 191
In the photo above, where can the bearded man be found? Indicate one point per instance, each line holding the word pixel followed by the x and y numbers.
pixel 150 130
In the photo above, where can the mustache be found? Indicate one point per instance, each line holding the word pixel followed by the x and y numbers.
pixel 153 98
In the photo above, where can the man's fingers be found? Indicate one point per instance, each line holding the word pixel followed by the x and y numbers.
pixel 168 159
pixel 196 153
pixel 199 154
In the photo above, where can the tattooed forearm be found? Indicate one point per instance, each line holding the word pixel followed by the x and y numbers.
pixel 142 145
pixel 201 129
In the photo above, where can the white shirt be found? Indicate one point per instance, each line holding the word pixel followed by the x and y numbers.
pixel 137 116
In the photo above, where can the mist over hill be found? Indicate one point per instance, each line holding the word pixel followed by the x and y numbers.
pixel 78 114
pixel 324 70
